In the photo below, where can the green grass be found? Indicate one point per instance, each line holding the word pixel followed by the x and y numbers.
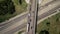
pixel 52 25
pixel 19 9
pixel 20 32
pixel 6 17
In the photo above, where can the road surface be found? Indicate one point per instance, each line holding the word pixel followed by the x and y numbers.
pixel 24 25
pixel 33 12
pixel 3 26
pixel 11 31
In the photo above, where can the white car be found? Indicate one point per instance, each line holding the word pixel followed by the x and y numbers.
pixel 29 14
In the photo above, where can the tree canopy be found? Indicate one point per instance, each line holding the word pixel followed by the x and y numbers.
pixel 7 6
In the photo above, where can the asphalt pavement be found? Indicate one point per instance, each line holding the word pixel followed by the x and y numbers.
pixel 25 24
pixel 3 26
pixel 22 17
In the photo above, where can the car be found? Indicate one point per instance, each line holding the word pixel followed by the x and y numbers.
pixel 29 14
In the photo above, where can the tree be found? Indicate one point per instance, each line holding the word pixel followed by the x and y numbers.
pixel 44 32
pixel 20 1
pixel 48 23
pixel 57 19
pixel 7 6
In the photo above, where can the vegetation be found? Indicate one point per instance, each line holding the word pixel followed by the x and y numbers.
pixel 20 1
pixel 20 7
pixel 20 32
pixel 11 8
pixel 50 25
pixel 6 6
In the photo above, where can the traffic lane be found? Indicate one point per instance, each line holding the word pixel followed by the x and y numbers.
pixel 32 13
pixel 6 26
pixel 16 20
pixel 23 15
pixel 49 7
pixel 48 13
pixel 12 22
pixel 16 29
pixel 39 9
pixel 44 6
pixel 40 17
pixel 14 25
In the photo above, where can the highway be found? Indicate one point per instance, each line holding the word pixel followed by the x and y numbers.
pixel 20 18
pixel 6 25
pixel 49 7
pixel 3 26
pixel 42 7
pixel 24 25
pixel 33 12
